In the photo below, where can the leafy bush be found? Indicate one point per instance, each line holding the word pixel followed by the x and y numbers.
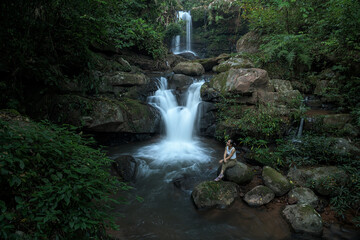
pixel 288 48
pixel 54 186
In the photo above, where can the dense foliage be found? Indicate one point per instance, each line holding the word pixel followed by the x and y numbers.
pixel 53 185
pixel 44 43
pixel 309 36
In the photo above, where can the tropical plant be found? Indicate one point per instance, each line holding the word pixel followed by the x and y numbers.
pixel 53 184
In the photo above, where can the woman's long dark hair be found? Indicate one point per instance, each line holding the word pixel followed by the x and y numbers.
pixel 232 142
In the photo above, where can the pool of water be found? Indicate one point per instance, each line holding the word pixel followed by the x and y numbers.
pixel 168 212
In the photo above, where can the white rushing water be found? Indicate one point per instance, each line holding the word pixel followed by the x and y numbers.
pixel 177 45
pixel 179 144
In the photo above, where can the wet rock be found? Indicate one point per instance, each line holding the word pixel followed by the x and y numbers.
pixel 344 147
pixel 185 182
pixel 292 200
pixel 179 81
pixel 208 93
pixel 240 174
pixel 303 219
pixel 243 80
pixel 316 177
pixel 275 181
pixel 214 194
pixel 336 120
pixel 209 63
pixel 125 79
pixel 105 114
pixel 234 62
pixel 281 85
pixel 304 196
pixel 259 196
pixel 126 167
pixel 188 55
pixel 189 68
pixel 249 43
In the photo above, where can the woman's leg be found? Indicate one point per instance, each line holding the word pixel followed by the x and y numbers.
pixel 227 165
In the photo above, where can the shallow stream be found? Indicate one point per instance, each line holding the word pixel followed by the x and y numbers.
pixel 168 212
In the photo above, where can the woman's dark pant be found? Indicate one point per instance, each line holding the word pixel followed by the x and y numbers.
pixel 230 163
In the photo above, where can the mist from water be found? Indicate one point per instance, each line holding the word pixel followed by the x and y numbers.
pixel 179 143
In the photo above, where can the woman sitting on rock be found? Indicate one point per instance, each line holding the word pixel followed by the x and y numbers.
pixel 229 159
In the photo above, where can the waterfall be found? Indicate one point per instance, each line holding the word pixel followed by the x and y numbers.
pixel 299 133
pixel 179 120
pixel 177 47
pixel 179 143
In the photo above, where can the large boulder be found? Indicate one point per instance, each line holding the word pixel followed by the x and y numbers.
pixel 303 219
pixel 304 196
pixel 208 93
pixel 344 147
pixel 189 68
pixel 126 167
pixel 318 178
pixel 240 174
pixel 105 114
pixel 249 43
pixel 179 81
pixel 209 63
pixel 234 62
pixel 125 79
pixel 214 194
pixel 281 85
pixel 337 120
pixel 258 196
pixel 243 80
pixel 275 181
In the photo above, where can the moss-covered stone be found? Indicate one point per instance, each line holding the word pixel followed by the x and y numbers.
pixel 189 68
pixel 304 196
pixel 259 196
pixel 303 219
pixel 214 194
pixel 219 82
pixel 240 174
pixel 319 178
pixel 234 62
pixel 104 114
pixel 275 181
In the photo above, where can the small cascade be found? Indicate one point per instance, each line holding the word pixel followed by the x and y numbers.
pixel 297 137
pixel 299 132
pixel 179 121
pixel 183 46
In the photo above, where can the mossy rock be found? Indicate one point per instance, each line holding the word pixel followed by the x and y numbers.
pixel 304 196
pixel 275 181
pixel 219 82
pixel 303 219
pixel 240 174
pixel 318 178
pixel 209 63
pixel 104 114
pixel 258 196
pixel 189 68
pixel 234 62
pixel 214 194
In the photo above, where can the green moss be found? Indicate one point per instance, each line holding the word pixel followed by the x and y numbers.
pixel 219 82
pixel 12 112
pixel 277 177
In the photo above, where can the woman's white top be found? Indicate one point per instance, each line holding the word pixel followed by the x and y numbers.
pixel 229 152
